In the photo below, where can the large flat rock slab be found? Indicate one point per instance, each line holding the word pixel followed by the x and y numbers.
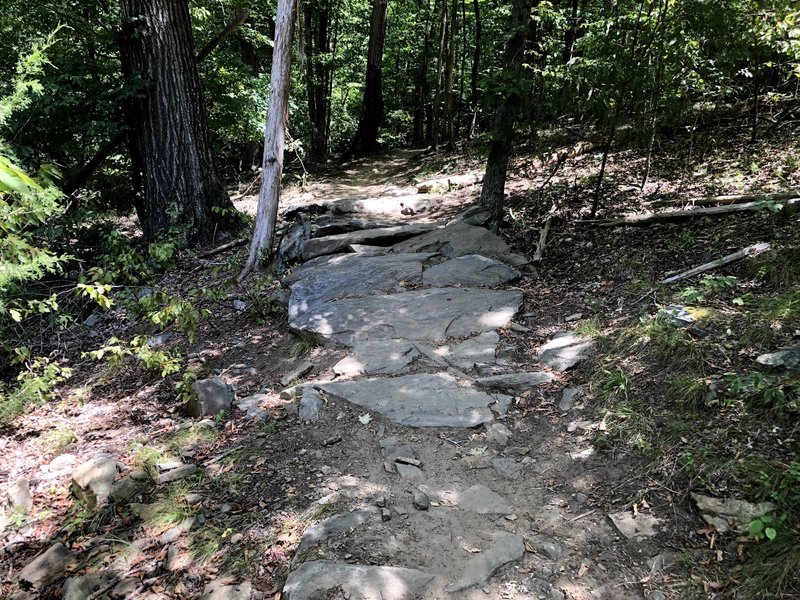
pixel 419 315
pixel 461 239
pixel 469 270
pixel 419 400
pixel 382 357
pixel 336 243
pixel 479 349
pixel 506 547
pixel 312 580
pixel 353 276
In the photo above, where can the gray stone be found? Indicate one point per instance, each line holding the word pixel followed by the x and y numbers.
pixel 581 498
pixel 479 349
pixel 331 526
pixel 661 562
pixel 218 590
pixel 565 351
pixel 506 548
pixel 82 587
pixel 336 243
pixel 177 474
pixel 567 399
pixel 474 215
pixel 353 276
pixel 19 495
pixel 209 397
pixel 469 270
pixel 404 453
pixel 310 405
pixel 498 433
pixel 785 358
pixel 480 499
pixel 252 406
pixel 428 314
pixel 380 501
pixel 507 467
pixel 409 471
pixel 418 400
pixel 173 533
pixel 291 247
pixel 47 567
pixel 640 527
pixel 297 372
pixel 92 481
pixel 515 382
pixel 125 489
pixel 730 513
pixel 386 515
pixel 311 580
pixel 461 239
pixel 366 250
pixel 421 500
pixel 381 357
pixel 547 546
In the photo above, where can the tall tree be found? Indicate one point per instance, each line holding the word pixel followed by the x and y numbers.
pixel 366 138
pixel 318 75
pixel 449 65
pixel 275 136
pixel 476 61
pixel 506 109
pixel 170 142
pixel 437 95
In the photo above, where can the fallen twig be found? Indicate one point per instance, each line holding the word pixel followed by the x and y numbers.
pixel 234 244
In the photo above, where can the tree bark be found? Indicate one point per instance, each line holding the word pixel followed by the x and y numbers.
pixel 437 95
pixel 450 64
pixel 366 139
pixel 421 88
pixel 270 193
pixel 506 109
pixel 318 73
pixel 169 127
pixel 476 61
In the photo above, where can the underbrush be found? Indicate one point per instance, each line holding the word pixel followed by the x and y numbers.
pixel 681 389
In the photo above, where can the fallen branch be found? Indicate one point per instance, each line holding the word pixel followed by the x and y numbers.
pixel 219 249
pixel 729 199
pixel 537 257
pixel 456 181
pixel 750 251
pixel 674 215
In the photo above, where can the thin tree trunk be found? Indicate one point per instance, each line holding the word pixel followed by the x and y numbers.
pixel 449 67
pixel 571 34
pixel 606 149
pixel 437 96
pixel 476 60
pixel 421 88
pixel 506 109
pixel 169 126
pixel 366 139
pixel 270 192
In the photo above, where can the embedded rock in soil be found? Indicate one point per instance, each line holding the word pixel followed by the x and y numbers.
pixel 218 590
pixel 565 351
pixel 19 495
pixel 381 357
pixel 93 480
pixel 505 548
pixel 418 400
pixel 252 406
pixel 428 314
pixel 785 358
pixel 515 382
pixel 409 471
pixel 297 372
pixel 209 397
pixel 81 588
pixel 353 276
pixel 479 349
pixel 498 433
pixel 46 568
pixel 472 269
pixel 639 527
pixel 336 243
pixel 461 239
pixel 730 513
pixel 331 526
pixel 310 405
pixel 311 581
pixel 480 499
pixel 507 467
pixel 567 399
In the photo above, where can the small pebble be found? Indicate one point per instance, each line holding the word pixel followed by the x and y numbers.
pixel 421 500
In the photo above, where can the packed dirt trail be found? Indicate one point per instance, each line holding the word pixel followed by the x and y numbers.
pixel 450 452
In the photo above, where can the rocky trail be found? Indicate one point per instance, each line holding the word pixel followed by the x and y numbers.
pixel 436 445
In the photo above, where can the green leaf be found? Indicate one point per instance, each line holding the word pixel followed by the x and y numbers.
pixel 770 533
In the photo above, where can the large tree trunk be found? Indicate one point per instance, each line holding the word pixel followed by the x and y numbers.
pixel 270 193
pixel 366 139
pixel 170 135
pixel 317 18
pixel 421 88
pixel 506 109
pixel 437 96
pixel 476 61
pixel 451 56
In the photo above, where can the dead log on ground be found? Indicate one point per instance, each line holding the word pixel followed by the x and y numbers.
pixel 750 251
pixel 728 199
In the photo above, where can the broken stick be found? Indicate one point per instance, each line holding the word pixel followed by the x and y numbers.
pixel 750 251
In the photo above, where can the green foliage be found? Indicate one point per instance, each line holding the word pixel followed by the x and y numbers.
pixel 115 351
pixel 35 385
